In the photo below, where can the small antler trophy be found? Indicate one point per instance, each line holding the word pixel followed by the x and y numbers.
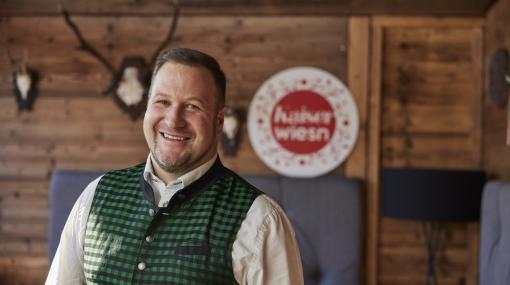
pixel 130 82
pixel 230 134
pixel 24 80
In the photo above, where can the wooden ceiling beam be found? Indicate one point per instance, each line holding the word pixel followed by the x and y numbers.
pixel 250 7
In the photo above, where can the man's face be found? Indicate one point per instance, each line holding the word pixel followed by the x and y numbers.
pixel 182 123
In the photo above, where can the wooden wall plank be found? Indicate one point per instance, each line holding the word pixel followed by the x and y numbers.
pixel 425 150
pixel 32 268
pixel 408 233
pixel 429 22
pixel 25 151
pixel 91 107
pixel 33 169
pixel 401 115
pixel 28 246
pixel 19 188
pixel 356 164
pixel 374 161
pixel 358 55
pixel 29 229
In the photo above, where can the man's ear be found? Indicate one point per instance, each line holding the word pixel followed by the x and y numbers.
pixel 220 119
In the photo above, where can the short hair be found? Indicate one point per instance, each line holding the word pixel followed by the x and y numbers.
pixel 197 58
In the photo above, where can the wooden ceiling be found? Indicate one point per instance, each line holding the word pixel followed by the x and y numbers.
pixel 252 7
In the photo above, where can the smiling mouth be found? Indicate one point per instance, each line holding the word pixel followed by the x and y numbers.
pixel 173 137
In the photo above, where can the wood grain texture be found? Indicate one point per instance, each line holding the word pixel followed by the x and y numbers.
pixel 358 74
pixel 32 268
pixel 374 156
pixel 431 92
pixel 430 84
pixel 356 164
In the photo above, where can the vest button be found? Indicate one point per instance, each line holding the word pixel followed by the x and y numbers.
pixel 149 238
pixel 141 266
pixel 151 212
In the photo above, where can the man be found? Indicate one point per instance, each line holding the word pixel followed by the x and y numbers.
pixel 181 217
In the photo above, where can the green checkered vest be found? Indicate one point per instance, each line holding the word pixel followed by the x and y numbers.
pixel 129 240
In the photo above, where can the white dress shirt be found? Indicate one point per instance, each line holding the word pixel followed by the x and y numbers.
pixel 265 251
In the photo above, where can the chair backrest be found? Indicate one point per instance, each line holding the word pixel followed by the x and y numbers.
pixel 65 187
pixel 326 214
pixel 495 234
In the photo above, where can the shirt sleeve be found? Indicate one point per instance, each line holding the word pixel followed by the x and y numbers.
pixel 67 265
pixel 265 251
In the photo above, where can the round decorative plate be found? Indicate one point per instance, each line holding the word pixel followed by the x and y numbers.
pixel 303 122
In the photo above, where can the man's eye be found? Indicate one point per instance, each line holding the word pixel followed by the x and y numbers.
pixel 163 102
pixel 191 107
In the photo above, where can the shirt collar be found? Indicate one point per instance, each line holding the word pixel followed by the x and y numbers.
pixel 181 181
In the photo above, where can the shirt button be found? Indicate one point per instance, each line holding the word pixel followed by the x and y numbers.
pixel 149 238
pixel 141 266
pixel 151 212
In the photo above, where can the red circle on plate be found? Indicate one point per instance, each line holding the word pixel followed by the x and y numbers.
pixel 303 122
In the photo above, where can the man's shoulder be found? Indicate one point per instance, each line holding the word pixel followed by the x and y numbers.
pixel 240 182
pixel 266 205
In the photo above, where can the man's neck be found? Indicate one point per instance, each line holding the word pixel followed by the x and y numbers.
pixel 168 177
pixel 164 175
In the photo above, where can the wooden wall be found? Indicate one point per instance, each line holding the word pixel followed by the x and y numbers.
pixel 417 82
pixel 496 152
pixel 428 72
pixel 73 126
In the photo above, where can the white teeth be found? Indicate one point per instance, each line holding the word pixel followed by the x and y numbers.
pixel 170 137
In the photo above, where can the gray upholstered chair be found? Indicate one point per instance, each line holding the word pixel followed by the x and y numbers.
pixel 65 187
pixel 326 214
pixel 495 234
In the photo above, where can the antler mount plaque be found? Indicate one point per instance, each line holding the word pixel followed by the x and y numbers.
pixel 131 80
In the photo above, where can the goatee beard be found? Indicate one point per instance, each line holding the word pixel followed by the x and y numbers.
pixel 177 167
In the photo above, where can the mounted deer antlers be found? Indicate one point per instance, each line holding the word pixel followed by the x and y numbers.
pixel 130 82
pixel 24 80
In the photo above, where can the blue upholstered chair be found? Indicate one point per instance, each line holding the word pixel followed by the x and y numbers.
pixel 65 187
pixel 326 214
pixel 495 234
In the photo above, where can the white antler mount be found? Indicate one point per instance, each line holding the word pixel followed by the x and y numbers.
pixel 24 81
pixel 130 82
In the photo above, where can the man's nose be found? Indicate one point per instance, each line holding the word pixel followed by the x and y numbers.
pixel 174 116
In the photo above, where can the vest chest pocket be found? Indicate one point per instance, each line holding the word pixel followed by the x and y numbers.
pixel 190 256
pixel 193 249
